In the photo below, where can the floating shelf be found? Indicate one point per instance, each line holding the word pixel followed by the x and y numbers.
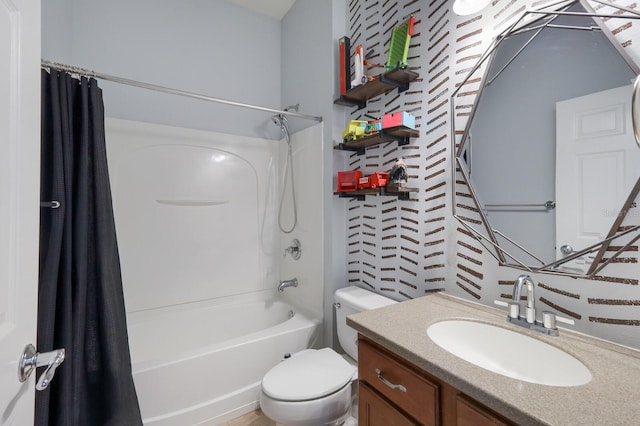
pixel 397 78
pixel 401 134
pixel 402 193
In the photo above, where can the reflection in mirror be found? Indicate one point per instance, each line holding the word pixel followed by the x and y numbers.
pixel 548 152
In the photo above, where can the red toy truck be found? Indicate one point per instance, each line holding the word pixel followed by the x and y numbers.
pixel 376 180
pixel 348 180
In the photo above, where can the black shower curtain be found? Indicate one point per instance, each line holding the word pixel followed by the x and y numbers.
pixel 80 300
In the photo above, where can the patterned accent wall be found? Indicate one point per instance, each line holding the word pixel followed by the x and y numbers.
pixel 409 248
pixel 396 247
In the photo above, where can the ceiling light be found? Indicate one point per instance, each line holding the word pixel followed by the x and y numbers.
pixel 469 7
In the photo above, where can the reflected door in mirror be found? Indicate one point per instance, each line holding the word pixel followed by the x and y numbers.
pixel 596 167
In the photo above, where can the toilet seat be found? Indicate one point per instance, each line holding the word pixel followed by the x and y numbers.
pixel 309 374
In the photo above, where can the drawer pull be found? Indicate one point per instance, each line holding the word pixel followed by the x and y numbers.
pixel 388 383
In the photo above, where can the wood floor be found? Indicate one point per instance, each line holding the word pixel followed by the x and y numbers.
pixel 255 418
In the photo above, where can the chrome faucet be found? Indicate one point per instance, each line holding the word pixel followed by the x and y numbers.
pixel 288 283
pixel 548 324
pixel 531 297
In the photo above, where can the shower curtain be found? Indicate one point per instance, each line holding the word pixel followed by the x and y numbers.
pixel 80 301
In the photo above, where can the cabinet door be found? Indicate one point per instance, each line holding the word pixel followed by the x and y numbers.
pixel 398 383
pixel 373 410
pixel 469 413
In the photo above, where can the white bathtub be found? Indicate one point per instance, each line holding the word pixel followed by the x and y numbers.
pixel 202 363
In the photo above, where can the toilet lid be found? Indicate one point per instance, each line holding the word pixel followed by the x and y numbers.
pixel 309 374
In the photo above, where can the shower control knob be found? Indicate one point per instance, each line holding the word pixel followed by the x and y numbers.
pixel 295 249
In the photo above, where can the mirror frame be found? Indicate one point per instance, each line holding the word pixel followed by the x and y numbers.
pixel 493 247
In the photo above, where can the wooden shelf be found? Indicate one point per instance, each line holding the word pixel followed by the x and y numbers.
pixel 401 134
pixel 403 193
pixel 397 78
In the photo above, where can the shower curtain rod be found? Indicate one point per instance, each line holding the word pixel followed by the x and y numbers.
pixel 89 73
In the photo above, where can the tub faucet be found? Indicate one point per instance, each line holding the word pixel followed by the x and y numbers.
pixel 288 283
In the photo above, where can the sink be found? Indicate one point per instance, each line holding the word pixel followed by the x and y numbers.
pixel 509 353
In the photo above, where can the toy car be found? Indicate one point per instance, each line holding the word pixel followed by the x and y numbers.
pixel 354 130
pixel 376 180
pixel 348 180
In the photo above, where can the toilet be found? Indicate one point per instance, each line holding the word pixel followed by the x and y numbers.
pixel 317 386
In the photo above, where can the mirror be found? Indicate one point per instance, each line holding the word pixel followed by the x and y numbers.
pixel 548 154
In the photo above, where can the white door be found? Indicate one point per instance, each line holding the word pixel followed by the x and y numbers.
pixel 597 164
pixel 19 199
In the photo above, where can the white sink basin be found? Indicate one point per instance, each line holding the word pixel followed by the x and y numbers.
pixel 509 353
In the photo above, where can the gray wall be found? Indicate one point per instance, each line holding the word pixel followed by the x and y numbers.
pixel 210 47
pixel 309 68
pixel 57 20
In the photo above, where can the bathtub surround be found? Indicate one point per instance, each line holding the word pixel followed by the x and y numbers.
pixel 220 193
pixel 193 209
pixel 306 149
pixel 196 214
pixel 80 302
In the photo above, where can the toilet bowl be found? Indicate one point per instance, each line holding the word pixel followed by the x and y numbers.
pixel 313 387
pixel 316 386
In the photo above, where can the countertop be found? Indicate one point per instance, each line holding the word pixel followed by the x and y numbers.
pixel 612 397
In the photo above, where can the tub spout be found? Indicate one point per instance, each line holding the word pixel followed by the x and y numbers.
pixel 288 283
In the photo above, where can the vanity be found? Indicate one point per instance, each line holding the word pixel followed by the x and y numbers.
pixel 407 379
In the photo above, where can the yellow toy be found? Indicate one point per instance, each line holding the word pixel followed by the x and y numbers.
pixel 354 130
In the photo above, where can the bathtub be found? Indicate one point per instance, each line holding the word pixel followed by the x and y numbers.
pixel 202 363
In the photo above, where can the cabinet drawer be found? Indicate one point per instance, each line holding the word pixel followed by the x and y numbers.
pixel 470 413
pixel 403 386
pixel 373 410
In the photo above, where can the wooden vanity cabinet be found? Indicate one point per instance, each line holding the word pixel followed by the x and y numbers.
pixel 374 410
pixel 471 413
pixel 392 391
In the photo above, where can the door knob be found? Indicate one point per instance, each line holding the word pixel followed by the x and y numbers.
pixel 30 360
pixel 566 249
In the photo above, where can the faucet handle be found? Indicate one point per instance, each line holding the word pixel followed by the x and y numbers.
pixel 531 315
pixel 565 320
pixel 514 310
pixel 549 320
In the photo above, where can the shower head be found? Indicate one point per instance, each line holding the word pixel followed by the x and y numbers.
pixel 281 121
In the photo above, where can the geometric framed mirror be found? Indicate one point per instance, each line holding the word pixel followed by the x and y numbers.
pixel 547 158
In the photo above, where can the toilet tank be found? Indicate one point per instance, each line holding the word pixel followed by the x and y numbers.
pixel 350 300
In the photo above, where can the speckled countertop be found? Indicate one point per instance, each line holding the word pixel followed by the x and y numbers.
pixel 611 398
